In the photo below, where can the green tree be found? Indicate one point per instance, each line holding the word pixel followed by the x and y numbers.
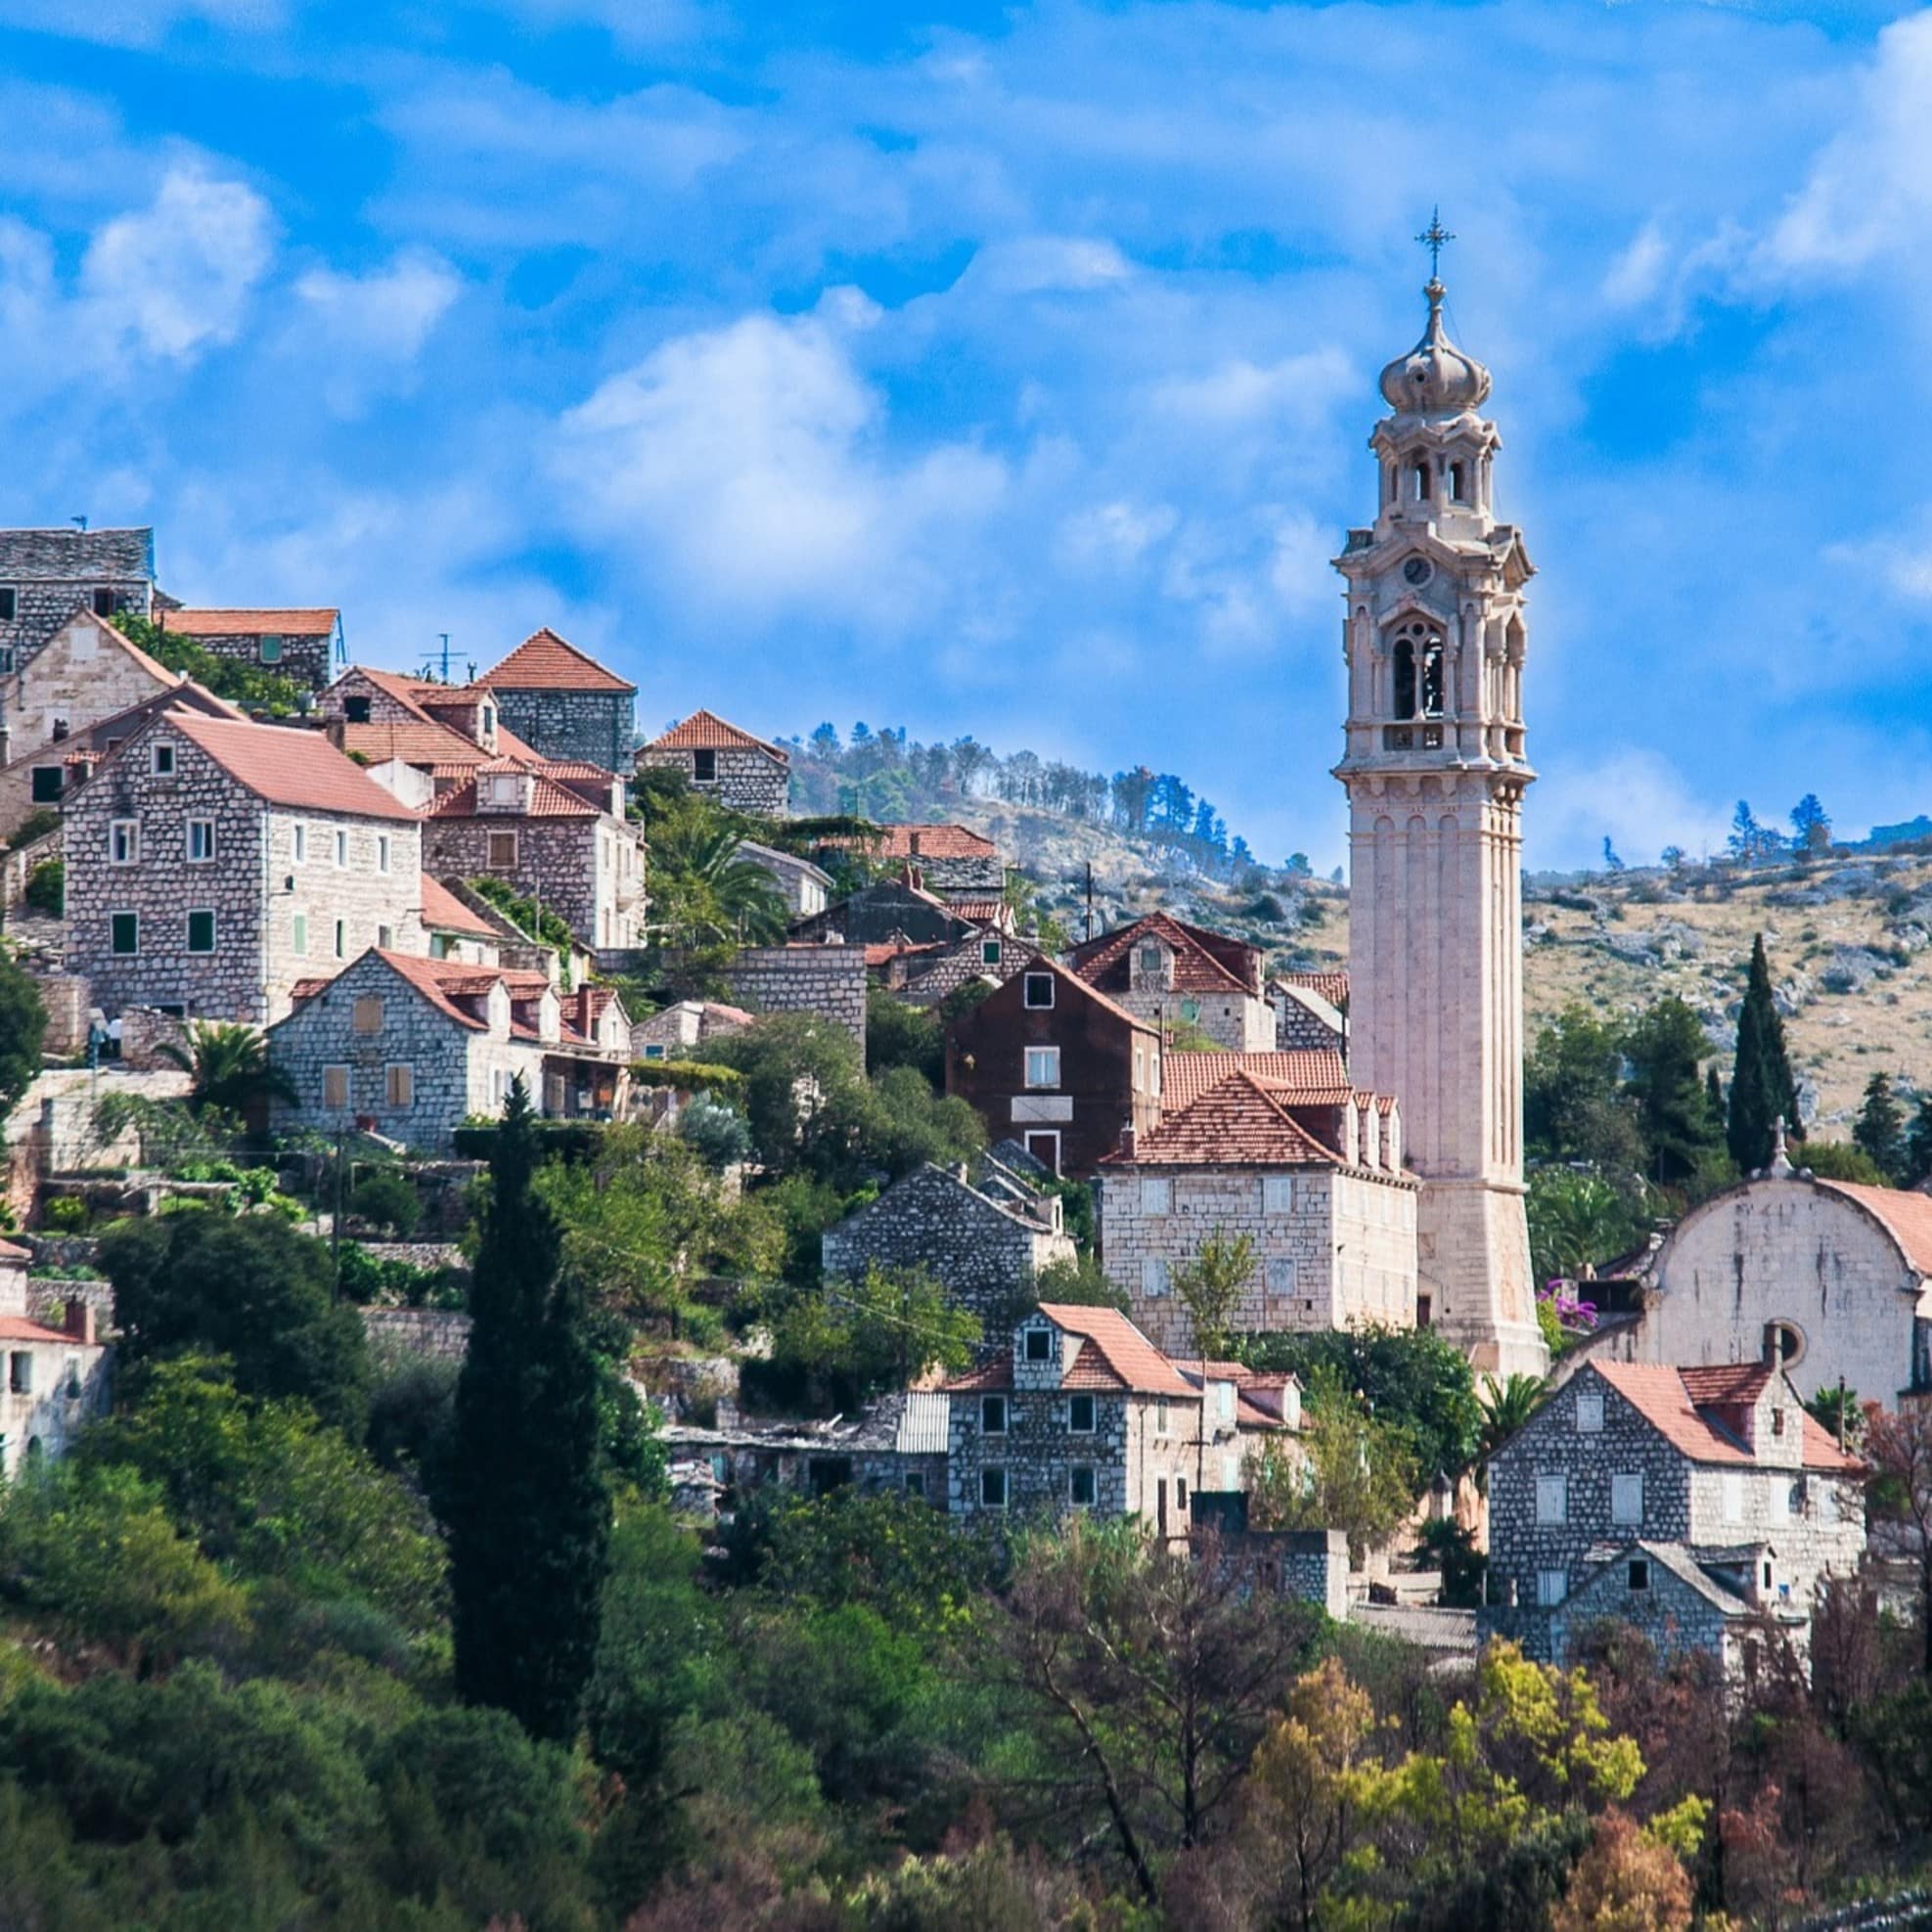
pixel 1840 1160
pixel 1918 1143
pixel 1577 1221
pixel 1811 827
pixel 1574 1107
pixel 899 1035
pixel 1210 1285
pixel 234 678
pixel 525 1502
pixel 1879 1131
pixel 1762 1087
pixel 252 1289
pixel 1663 1046
pixel 853 1339
pixel 805 1095
pixel 904 1124
pixel 22 1027
pixel 387 1199
pixel 228 1065
pixel 46 888
pixel 1350 1472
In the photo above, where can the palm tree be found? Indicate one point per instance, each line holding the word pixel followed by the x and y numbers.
pixel 1506 1406
pixel 228 1065
pixel 711 894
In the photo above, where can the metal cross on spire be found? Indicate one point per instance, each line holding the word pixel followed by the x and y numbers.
pixel 1432 238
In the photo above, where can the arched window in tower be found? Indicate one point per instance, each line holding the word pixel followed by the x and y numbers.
pixel 1421 472
pixel 1458 484
pixel 1418 671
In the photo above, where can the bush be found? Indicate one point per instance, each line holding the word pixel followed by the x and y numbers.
pixel 47 888
pixel 717 1134
pixel 66 1214
pixel 386 1200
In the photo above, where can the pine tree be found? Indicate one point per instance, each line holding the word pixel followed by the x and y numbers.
pixel 1762 1089
pixel 1663 1046
pixel 1880 1128
pixel 1918 1143
pixel 526 1502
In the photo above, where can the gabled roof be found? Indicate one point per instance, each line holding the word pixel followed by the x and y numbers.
pixel 1197 967
pixel 444 912
pixel 548 801
pixel 1040 963
pixel 127 648
pixel 59 556
pixel 1671 1556
pixel 705 731
pixel 927 842
pixel 1114 1356
pixel 288 766
pixel 1329 986
pixel 413 742
pixel 316 622
pixel 544 662
pixel 1309 1076
pixel 1235 1123
pixel 1906 1216
pixel 1679 1404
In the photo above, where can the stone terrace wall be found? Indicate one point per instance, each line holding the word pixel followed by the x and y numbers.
pixel 441 1333
pixel 828 980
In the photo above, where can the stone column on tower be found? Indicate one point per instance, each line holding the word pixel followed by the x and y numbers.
pixel 1434 767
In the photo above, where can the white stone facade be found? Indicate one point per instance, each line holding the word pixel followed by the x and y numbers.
pixel 1435 773
pixel 52 1380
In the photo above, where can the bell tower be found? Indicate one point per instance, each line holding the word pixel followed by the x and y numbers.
pixel 1434 767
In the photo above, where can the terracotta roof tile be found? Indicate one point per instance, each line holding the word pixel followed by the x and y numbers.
pixel 20 1328
pixel 544 662
pixel 415 742
pixel 288 766
pixel 1906 1216
pixel 705 731
pixel 1107 959
pixel 1236 1123
pixel 1671 1400
pixel 929 841
pixel 548 801
pixel 981 912
pixel 444 912
pixel 1311 1076
pixel 1126 1351
pixel 316 622
pixel 1329 986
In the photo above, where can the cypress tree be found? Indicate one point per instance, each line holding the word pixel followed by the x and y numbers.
pixel 1761 1083
pixel 1714 1101
pixel 1880 1128
pixel 1918 1143
pixel 525 1499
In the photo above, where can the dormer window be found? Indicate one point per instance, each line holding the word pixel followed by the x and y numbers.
pixel 356 711
pixel 103 603
pixel 1038 1345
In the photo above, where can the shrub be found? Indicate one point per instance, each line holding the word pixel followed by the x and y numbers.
pixel 47 888
pixel 386 1200
pixel 66 1214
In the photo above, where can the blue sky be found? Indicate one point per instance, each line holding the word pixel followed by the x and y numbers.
pixel 1009 369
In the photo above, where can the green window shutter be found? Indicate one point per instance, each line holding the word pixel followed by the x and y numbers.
pixel 126 933
pixel 200 931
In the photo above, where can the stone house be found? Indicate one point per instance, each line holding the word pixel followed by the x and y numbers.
pixel 927 974
pixel 807 888
pixel 1719 1469
pixel 1047 1059
pixel 297 645
pixel 954 863
pixel 828 980
pixel 1310 1011
pixel 56 1379
pixel 458 932
pixel 83 671
pixel 564 703
pixel 41 777
pixel 671 1034
pixel 210 865
pixel 743 773
pixel 47 575
pixel 1082 1412
pixel 549 841
pixel 984 1234
pixel 1833 1276
pixel 409 1047
pixel 1171 974
pixel 1334 1227
pixel 890 911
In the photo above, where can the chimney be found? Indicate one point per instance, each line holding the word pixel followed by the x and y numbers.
pixel 1127 1139
pixel 79 1323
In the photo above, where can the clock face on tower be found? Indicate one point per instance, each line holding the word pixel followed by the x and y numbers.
pixel 1418 570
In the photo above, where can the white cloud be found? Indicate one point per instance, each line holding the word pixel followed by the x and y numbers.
pixel 176 277
pixel 754 458
pixel 363 334
pixel 139 22
pixel 1633 795
pixel 1115 535
pixel 1034 264
pixel 1300 573
pixel 1238 392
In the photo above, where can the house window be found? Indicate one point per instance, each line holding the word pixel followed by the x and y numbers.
pixel 124 933
pixel 104 603
pixel 1551 1586
pixel 705 766
pixel 1181 1493
pixel 1784 1342
pixel 1156 1197
pixel 1553 1499
pixel 160 760
pixel 1626 1500
pixel 1457 484
pixel 1038 1345
pixel 123 842
pixel 1191 1011
pixel 271 647
pixel 1640 1573
pixel 1280 1277
pixel 1043 1066
pixel 993 1414
pixel 341 938
pixel 914 1483
pixel 298 935
pixel 1589 1413
pixel 355 710
pixel 201 841
pixel 993 1489
pixel 342 851
pixel 9 604
pixel 383 851
pixel 20 1372
pixel 1154 1274
pixel 989 952
pixel 501 851
pixel 366 1013
pixel 1781 1502
pixel 1044 1145
pixel 201 929
pixel 1080 1414
pixel 1732 1491
pixel 401 1084
pixel 1277 1194
pixel 1037 991
pixel 334 1086
pixel 1778 1421
pixel 302 843
pixel 46 784
pixel 489 721
pixel 1160 1416
pixel 1080 1488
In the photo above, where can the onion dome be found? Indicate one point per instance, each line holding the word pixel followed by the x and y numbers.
pixel 1435 378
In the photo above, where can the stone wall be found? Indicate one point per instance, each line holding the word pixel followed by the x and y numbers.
pixel 569 864
pixel 1676 1617
pixel 983 1254
pixel 441 1333
pixel 828 980
pixel 1241 1022
pixel 1341 1254
pixel 747 780
pixel 963 878
pixel 144 1032
pixel 596 726
pixel 939 978
pixel 48 1297
pixel 68 998
pixel 63 667
pixel 306 659
pixel 1304 1021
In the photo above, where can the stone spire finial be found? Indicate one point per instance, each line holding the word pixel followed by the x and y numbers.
pixel 1435 378
pixel 1780 1168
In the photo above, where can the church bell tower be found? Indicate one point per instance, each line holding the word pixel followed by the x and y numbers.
pixel 1435 772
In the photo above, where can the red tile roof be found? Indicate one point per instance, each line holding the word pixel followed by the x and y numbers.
pixel 1672 1401
pixel 705 731
pixel 929 841
pixel 1311 1076
pixel 1906 1216
pixel 415 742
pixel 288 766
pixel 20 1328
pixel 1329 986
pixel 444 912
pixel 1132 1359
pixel 249 623
pixel 440 981
pixel 1107 960
pixel 1238 1122
pixel 9 1252
pixel 548 801
pixel 543 661
pixel 981 912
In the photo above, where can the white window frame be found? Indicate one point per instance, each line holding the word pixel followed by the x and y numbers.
pixel 1590 1411
pixel 1553 1499
pixel 491 863
pixel 1627 1498
pixel 160 759
pixel 1553 1587
pixel 1050 1060
pixel 1156 1195
pixel 341 848
pixel 123 842
pixel 1028 983
pixel 188 931
pixel 301 845
pixel 1155 1281
pixel 1043 1337
pixel 199 826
